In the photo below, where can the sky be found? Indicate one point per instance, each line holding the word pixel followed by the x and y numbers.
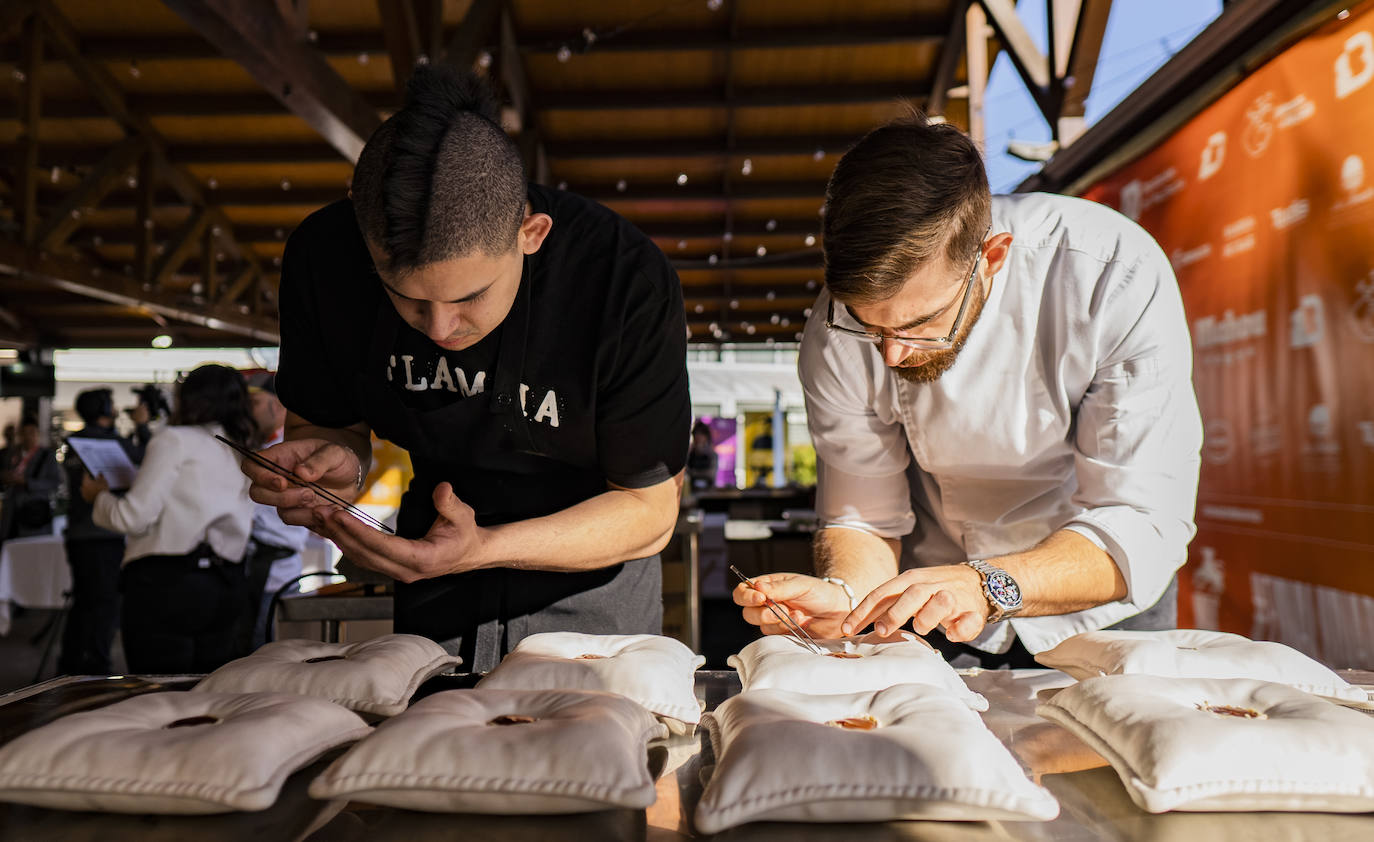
pixel 1141 35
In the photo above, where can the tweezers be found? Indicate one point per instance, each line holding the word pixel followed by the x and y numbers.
pixel 305 483
pixel 798 633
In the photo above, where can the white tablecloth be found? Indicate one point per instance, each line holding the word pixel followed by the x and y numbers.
pixel 33 573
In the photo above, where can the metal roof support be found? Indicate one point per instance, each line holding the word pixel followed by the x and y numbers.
pixel 80 277
pixel 976 47
pixel 401 31
pixel 32 113
pixel 948 63
pixel 292 71
pixel 110 172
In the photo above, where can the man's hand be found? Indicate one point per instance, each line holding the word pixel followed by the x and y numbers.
pixel 331 465
pixel 92 486
pixel 950 596
pixel 454 544
pixel 815 605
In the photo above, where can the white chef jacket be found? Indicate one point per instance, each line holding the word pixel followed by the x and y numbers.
pixel 1071 406
pixel 189 489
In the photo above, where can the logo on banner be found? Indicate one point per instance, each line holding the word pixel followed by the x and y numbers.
pixel 1260 131
pixel 1209 331
pixel 1321 432
pixel 1218 444
pixel 1266 439
pixel 1308 322
pixel 1238 236
pixel 1352 180
pixel 1213 156
pixel 1362 313
pixel 1355 65
pixel 1180 258
pixel 1366 433
pixel 1289 215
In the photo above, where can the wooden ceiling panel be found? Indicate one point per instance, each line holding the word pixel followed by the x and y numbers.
pixel 285 128
pixel 229 175
pixel 607 71
pixel 835 65
pixel 818 119
pixel 791 13
pixel 560 14
pixel 663 171
pixel 665 123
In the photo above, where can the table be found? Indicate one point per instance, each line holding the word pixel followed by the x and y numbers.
pixel 33 573
pixel 1095 806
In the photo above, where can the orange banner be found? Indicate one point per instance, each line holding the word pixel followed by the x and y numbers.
pixel 1265 206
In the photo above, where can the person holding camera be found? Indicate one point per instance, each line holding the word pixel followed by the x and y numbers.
pixel 187 518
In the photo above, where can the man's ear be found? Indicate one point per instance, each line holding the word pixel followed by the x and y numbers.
pixel 996 251
pixel 533 231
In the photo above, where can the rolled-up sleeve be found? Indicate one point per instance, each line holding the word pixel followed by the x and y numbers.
pixel 861 449
pixel 1139 433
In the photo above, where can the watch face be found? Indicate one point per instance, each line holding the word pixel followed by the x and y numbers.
pixel 1004 590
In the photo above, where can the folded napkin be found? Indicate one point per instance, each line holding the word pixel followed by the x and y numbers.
pixel 1222 744
pixel 655 671
pixel 503 751
pixel 908 752
pixel 869 662
pixel 174 752
pixel 374 676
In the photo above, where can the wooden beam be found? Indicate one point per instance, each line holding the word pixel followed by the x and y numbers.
pixel 80 277
pixel 145 228
pixel 948 63
pixel 401 32
pixel 1080 65
pixel 106 175
pixel 976 48
pixel 31 114
pixel 12 14
pixel 237 287
pixel 293 72
pixel 180 248
pixel 1029 62
pixel 896 31
pixel 517 84
pixel 756 97
pixel 477 31
pixel 209 277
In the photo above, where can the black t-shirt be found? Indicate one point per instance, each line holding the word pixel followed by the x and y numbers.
pixel 603 382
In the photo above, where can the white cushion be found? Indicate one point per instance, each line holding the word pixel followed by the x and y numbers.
pixel 776 662
pixel 134 757
pixel 1222 744
pixel 374 676
pixel 1196 653
pixel 450 752
pixel 927 756
pixel 653 670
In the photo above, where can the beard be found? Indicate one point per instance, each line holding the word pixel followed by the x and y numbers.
pixel 928 366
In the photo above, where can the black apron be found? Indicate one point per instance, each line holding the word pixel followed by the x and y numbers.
pixel 482 445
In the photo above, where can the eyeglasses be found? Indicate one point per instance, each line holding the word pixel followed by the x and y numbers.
pixel 940 343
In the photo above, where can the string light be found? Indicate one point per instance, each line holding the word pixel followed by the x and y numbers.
pixel 811 284
pixel 749 330
pixel 818 155
pixel 681 179
pixel 806 314
pixel 54 174
pixel 771 295
pixel 364 58
pixel 713 260
pixel 286 184
pixel 564 53
pixel 785 321
pixel 212 183
pixel 279 233
pixel 133 68
pixel 714 5
pixel 747 167
pixel 621 185
pixel 775 318
pixel 810 240
pixel 728 236
pixel 734 304
pixel 771 225
pixel 484 59
pixel 761 251
pixel 562 185
pixel 699 309
pixel 681 244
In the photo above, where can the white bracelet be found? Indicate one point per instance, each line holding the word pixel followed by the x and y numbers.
pixel 848 591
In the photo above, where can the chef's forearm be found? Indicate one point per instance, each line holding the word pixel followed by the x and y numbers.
pixel 863 560
pixel 616 526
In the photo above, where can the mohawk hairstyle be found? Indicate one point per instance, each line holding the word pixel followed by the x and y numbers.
pixel 440 179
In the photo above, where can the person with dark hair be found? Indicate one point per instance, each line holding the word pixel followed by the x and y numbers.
pixel 29 478
pixel 525 345
pixel 94 553
pixel 702 459
pixel 186 519
pixel 1000 394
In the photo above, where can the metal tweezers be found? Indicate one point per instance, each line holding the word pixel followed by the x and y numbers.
pixel 798 633
pixel 305 483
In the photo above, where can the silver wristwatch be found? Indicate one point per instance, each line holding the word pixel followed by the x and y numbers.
pixel 1002 592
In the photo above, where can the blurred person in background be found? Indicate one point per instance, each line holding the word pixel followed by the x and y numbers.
pixel 30 477
pixel 93 553
pixel 274 549
pixel 187 519
pixel 702 461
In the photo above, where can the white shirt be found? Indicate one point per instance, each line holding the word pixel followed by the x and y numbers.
pixel 1071 406
pixel 189 489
